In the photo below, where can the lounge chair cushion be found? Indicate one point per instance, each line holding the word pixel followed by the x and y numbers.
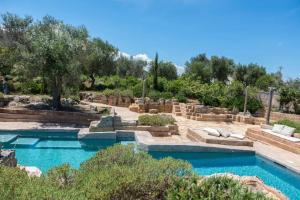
pixel 277 128
pixel 237 136
pixel 288 131
pixel 291 139
pixel 212 132
pixel 225 133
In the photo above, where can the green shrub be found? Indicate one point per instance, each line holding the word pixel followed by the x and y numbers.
pixel 211 188
pixel 166 95
pixel 138 90
pixel 119 172
pixel 126 93
pixel 1 94
pixel 32 87
pixel 156 120
pixel 181 97
pixel 290 123
pixel 154 95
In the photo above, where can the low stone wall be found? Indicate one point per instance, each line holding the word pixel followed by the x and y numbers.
pixel 8 115
pixel 151 106
pixel 275 116
pixel 8 158
pixel 112 100
pixel 4 101
pixel 112 123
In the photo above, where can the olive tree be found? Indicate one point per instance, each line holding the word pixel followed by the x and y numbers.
pixel 53 54
pixel 100 56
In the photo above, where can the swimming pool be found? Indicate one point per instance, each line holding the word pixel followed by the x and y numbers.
pixel 49 149
pixel 243 164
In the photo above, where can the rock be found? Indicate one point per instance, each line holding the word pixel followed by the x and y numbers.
pixel 31 170
pixel 201 109
pixel 253 183
pixel 107 123
pixel 153 111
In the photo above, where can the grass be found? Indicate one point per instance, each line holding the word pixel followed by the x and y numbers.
pixel 290 123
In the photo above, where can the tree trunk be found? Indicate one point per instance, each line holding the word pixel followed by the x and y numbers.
pixel 93 80
pixel 56 94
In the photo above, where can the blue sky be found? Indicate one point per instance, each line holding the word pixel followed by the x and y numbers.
pixel 266 32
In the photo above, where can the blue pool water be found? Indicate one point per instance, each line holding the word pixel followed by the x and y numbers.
pixel 49 149
pixel 243 164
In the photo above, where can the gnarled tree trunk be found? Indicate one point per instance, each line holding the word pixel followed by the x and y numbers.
pixel 56 93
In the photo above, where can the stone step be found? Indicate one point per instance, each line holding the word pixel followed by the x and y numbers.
pixel 25 142
pixel 7 138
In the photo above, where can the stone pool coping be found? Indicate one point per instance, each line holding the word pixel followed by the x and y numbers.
pixel 147 142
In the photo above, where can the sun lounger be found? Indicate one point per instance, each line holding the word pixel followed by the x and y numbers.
pixel 278 135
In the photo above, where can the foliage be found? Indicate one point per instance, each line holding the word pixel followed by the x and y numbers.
pixel 166 70
pixel 119 172
pixel 156 120
pixel 248 74
pixel 221 68
pixel 234 97
pixel 130 67
pixel 199 66
pixel 155 67
pixel 211 94
pixel 288 95
pixel 154 95
pixel 34 86
pixel 115 173
pixel 54 48
pixel 211 188
pixel 99 59
pixel 264 82
pixel 181 97
pixel 290 123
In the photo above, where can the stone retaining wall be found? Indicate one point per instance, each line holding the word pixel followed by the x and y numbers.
pixel 112 123
pixel 164 106
pixel 112 100
pixel 8 115
pixel 275 116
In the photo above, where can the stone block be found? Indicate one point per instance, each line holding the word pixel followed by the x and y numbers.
pixel 153 111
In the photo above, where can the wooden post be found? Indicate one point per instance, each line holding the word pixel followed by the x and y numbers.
pixel 271 90
pixel 246 100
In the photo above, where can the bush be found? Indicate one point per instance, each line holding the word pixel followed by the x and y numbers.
pixel 119 172
pixel 1 95
pixel 181 97
pixel 156 120
pixel 211 188
pixel 166 95
pixel 154 95
pixel 290 123
pixel 32 87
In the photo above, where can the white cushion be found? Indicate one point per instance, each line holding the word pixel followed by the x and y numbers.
pixel 212 132
pixel 237 136
pixel 291 139
pixel 277 128
pixel 288 131
pixel 224 132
